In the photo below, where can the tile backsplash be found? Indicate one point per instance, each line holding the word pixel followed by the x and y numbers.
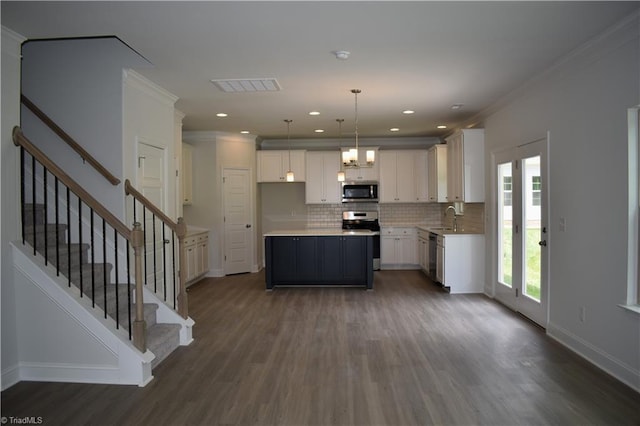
pixel 429 214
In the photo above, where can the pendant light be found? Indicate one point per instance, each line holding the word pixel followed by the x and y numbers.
pixel 290 176
pixel 350 158
pixel 341 174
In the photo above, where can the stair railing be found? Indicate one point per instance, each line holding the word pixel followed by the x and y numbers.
pixel 35 191
pixel 69 140
pixel 160 261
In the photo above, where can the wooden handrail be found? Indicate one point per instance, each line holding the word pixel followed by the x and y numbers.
pixel 19 139
pixel 130 190
pixel 69 140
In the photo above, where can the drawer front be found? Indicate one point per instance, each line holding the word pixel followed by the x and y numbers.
pixel 190 240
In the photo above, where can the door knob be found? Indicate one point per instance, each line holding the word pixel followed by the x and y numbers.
pixel 543 243
pixel 248 225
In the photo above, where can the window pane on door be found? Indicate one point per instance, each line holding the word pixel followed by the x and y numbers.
pixel 532 235
pixel 505 224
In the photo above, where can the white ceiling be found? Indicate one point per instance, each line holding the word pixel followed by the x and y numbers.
pixel 424 56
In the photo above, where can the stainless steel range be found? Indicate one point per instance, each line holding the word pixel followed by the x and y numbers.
pixel 368 221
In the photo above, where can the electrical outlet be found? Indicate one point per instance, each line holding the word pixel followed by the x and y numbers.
pixel 583 314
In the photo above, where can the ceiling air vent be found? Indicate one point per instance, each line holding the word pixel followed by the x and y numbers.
pixel 239 85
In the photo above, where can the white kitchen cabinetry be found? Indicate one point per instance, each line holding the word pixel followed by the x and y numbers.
pixel 363 173
pixel 322 186
pixel 187 174
pixel 423 250
pixel 437 169
pixel 465 166
pixel 398 248
pixel 397 178
pixel 197 256
pixel 274 165
pixel 421 169
pixel 460 262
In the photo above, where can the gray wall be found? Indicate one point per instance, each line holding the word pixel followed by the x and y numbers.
pixel 10 219
pixel 583 103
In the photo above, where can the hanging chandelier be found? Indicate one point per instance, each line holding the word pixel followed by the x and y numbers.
pixel 350 158
pixel 290 176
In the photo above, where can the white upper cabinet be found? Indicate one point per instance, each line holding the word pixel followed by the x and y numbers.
pixel 421 170
pixel 322 186
pixel 273 165
pixel 363 173
pixel 397 176
pixel 437 169
pixel 465 166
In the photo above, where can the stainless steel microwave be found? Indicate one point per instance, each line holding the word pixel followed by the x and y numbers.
pixel 359 192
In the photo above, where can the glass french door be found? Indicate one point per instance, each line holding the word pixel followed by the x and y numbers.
pixel 521 231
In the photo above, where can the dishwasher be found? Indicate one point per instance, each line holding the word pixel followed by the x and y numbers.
pixel 440 260
pixel 433 257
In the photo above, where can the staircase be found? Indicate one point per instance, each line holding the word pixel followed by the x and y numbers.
pixel 93 281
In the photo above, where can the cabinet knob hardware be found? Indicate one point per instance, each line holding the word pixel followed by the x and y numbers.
pixel 248 225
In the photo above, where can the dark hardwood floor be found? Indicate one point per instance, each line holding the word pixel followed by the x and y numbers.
pixel 404 354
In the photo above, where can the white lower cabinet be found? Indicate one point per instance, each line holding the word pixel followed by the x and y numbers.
pixel 460 262
pixel 398 248
pixel 196 248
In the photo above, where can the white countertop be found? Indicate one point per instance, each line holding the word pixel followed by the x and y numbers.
pixel 194 230
pixel 319 232
pixel 447 231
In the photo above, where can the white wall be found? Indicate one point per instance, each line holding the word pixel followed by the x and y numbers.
pixel 78 83
pixel 212 152
pixel 149 117
pixel 583 103
pixel 9 216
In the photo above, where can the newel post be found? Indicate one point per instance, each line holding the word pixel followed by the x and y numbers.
pixel 183 303
pixel 139 326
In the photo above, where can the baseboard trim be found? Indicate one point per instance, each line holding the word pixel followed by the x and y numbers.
pixel 612 366
pixel 10 376
pixel 51 372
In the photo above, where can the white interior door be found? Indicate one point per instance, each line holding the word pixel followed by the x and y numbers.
pixel 151 181
pixel 238 223
pixel 522 231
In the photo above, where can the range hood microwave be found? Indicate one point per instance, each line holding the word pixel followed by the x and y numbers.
pixel 359 192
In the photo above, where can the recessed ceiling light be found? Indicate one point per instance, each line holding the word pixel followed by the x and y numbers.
pixel 314 113
pixel 244 132
pixel 319 131
pixel 221 114
pixel 442 126
pixel 408 111
pixel 456 106
pixel 394 129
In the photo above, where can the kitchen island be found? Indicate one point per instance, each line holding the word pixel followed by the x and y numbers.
pixel 319 257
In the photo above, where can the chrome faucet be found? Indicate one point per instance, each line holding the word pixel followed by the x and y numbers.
pixel 455 217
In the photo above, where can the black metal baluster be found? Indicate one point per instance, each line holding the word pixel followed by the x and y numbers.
pixel 164 260
pixel 93 262
pixel 155 267
pixel 79 246
pixel 104 264
pixel 56 195
pixel 33 201
pixel 173 259
pixel 144 233
pixel 69 234
pixel 46 216
pixel 129 287
pixel 22 193
pixel 115 251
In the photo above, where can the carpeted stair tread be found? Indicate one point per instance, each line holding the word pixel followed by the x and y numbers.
pixel 162 339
